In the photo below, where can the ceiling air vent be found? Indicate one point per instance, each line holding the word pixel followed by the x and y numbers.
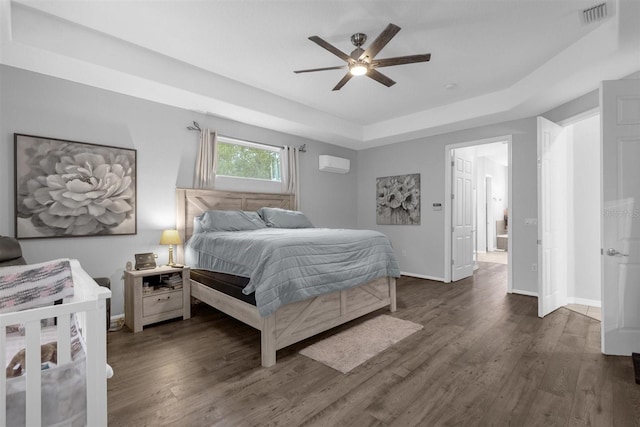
pixel 595 13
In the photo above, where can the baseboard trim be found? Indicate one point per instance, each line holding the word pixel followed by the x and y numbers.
pixel 581 301
pixel 422 276
pixel 584 301
pixel 527 293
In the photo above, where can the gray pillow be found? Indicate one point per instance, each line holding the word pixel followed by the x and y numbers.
pixel 282 218
pixel 228 221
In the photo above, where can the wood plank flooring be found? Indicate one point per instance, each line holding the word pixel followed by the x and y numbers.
pixel 484 358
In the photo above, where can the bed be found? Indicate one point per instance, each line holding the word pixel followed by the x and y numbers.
pixel 292 322
pixel 73 390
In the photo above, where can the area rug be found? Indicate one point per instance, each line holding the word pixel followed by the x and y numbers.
pixel 354 346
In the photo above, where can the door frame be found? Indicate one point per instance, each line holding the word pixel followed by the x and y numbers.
pixel 447 202
pixel 488 207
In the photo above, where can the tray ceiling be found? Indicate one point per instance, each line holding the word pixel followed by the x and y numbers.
pixel 235 59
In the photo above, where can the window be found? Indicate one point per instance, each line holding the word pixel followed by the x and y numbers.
pixel 248 166
pixel 248 160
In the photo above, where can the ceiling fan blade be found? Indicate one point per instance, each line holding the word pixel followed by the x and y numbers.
pixel 381 41
pixel 379 77
pixel 399 60
pixel 344 81
pixel 320 69
pixel 340 54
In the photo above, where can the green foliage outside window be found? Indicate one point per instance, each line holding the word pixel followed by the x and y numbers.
pixel 248 162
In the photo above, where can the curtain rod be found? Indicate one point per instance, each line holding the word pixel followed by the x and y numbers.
pixel 196 126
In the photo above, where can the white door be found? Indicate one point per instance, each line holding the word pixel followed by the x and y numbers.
pixel 620 116
pixel 462 215
pixel 552 217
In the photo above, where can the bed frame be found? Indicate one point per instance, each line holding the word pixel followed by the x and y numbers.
pixel 293 322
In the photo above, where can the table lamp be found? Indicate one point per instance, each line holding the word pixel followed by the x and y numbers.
pixel 170 237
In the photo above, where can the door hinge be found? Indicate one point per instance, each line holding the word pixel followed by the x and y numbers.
pixel 539 241
pixel 453 163
pixel 453 262
pixel 453 196
pixel 601 251
pixel 453 229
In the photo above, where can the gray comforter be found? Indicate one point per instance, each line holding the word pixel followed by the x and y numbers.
pixel 288 265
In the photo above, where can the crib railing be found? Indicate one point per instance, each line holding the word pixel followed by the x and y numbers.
pixel 89 305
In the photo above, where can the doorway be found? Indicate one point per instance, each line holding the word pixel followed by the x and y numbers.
pixel 493 219
pixel 569 214
pixel 490 193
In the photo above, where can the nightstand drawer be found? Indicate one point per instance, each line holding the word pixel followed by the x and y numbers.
pixel 148 299
pixel 162 303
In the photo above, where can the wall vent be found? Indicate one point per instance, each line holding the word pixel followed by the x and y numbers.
pixel 595 13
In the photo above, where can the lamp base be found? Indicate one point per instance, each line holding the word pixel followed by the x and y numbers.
pixel 171 263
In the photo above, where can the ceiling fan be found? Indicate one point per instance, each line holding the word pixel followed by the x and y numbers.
pixel 363 62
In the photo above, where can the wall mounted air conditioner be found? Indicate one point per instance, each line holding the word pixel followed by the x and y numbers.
pixel 334 164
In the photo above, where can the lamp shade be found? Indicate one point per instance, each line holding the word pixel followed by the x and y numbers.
pixel 170 237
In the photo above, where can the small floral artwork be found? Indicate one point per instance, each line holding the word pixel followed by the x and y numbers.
pixel 398 200
pixel 70 189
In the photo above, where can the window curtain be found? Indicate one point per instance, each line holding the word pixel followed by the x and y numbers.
pixel 291 175
pixel 206 160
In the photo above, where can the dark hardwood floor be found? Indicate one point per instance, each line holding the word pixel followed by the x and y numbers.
pixel 484 358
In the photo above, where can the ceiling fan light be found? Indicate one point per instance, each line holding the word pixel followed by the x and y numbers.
pixel 358 69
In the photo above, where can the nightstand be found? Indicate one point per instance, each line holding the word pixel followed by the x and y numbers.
pixel 156 294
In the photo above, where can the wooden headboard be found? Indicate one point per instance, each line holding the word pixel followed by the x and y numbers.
pixel 191 203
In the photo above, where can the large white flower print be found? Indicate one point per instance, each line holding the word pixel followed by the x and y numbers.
pixel 74 190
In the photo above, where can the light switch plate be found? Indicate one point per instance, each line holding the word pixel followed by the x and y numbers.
pixel 531 221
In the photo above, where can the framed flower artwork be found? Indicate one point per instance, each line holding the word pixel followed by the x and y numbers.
pixel 398 200
pixel 72 189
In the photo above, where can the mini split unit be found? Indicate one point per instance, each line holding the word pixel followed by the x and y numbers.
pixel 334 164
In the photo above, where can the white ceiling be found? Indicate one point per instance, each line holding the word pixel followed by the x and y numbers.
pixel 235 59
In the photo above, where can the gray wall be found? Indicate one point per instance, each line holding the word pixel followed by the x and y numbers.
pixel 420 248
pixel 424 244
pixel 34 104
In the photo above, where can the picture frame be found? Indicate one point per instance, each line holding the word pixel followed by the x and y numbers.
pixel 68 188
pixel 398 200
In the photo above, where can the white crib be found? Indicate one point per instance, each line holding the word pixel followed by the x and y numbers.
pixel 89 305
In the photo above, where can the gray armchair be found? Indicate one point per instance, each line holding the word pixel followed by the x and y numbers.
pixel 10 252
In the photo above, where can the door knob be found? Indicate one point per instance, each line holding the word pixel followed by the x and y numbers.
pixel 613 252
